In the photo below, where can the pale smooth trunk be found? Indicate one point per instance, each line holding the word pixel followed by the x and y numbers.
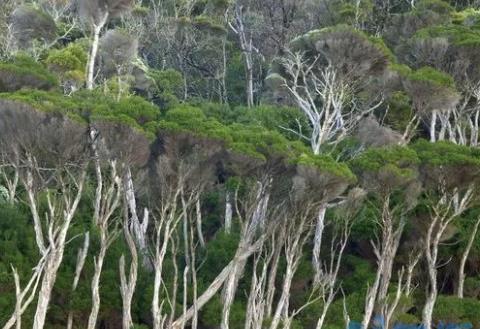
pixel 317 243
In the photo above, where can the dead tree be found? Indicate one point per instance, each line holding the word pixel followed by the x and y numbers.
pixel 450 186
pixel 127 285
pixel 50 168
pixel 96 14
pixel 237 25
pixel 251 220
pixel 110 200
pixel 25 296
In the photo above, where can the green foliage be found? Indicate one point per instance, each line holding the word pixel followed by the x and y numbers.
pixel 446 154
pixel 454 310
pixel 400 111
pixel 456 34
pixel 438 6
pixel 90 105
pixel 24 72
pixel 69 62
pixel 168 87
pixel 469 17
pixel 17 238
pixel 432 76
pixel 328 165
pixel 71 58
pixel 3 194
pixel 252 140
pixel 398 162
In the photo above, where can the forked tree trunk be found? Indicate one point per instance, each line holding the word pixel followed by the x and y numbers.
pixel 21 304
pixel 54 254
pixel 256 222
pixel 214 287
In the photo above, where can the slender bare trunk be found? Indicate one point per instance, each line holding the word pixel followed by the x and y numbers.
pixel 21 304
pixel 97 29
pixel 228 212
pixel 297 234
pixel 370 299
pixel 255 222
pixel 198 222
pixel 95 286
pixel 139 228
pixel 81 257
pixel 109 201
pixel 54 254
pixel 249 76
pixel 433 123
pixel 213 288
pixel 463 260
pixel 317 243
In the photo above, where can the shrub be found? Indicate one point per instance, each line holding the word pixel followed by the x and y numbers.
pixel 22 72
pixel 455 310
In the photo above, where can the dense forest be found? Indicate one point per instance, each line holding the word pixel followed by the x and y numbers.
pixel 256 164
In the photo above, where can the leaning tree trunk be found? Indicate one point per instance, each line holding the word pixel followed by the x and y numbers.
pixel 97 29
pixel 463 260
pixel 22 301
pixel 81 257
pixel 54 254
pixel 128 285
pixel 254 223
pixel 95 286
pixel 371 298
pixel 214 287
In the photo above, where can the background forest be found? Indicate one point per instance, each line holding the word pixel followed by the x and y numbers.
pixel 279 164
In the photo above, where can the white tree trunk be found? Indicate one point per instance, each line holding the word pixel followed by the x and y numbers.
pixel 214 287
pixel 97 29
pixel 433 126
pixel 463 260
pixel 57 234
pixel 139 228
pixel 371 298
pixel 228 212
pixel 229 290
pixel 54 259
pixel 317 243
pixel 81 257
pixel 95 286
pixel 21 304
pixel 198 221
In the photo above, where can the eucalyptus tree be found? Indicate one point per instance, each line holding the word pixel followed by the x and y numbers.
pixel 325 73
pixel 95 14
pixel 183 169
pixel 390 176
pixel 117 52
pixel 450 174
pixel 31 27
pixel 434 97
pixel 56 171
pixel 451 50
